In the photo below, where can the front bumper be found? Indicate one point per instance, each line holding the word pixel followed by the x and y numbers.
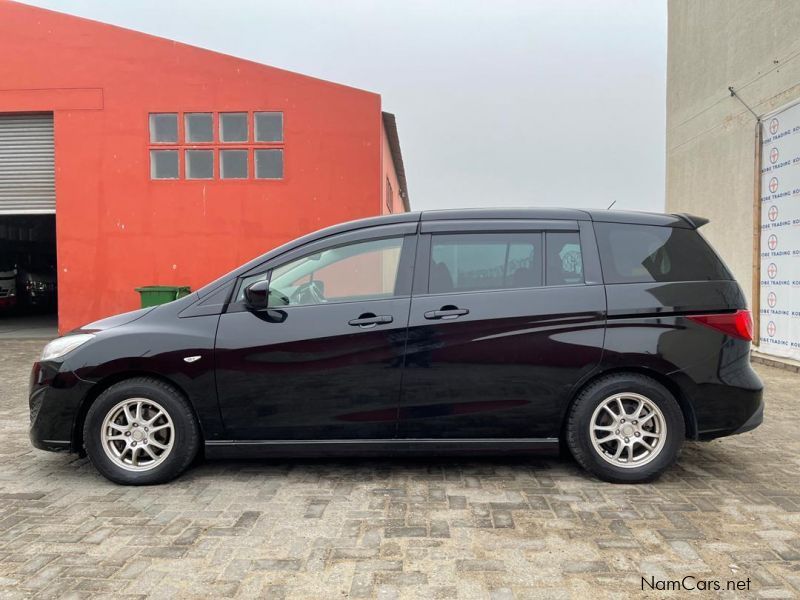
pixel 54 400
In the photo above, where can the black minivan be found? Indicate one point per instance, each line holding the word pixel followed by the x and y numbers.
pixel 616 334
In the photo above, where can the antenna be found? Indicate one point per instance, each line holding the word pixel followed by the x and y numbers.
pixel 612 204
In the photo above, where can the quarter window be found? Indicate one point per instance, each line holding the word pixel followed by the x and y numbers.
pixel 485 261
pixel 564 260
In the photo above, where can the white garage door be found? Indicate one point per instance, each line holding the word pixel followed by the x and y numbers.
pixel 27 171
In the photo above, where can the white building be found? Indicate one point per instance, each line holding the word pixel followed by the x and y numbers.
pixel 735 158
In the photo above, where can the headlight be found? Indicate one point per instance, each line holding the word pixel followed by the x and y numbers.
pixel 60 346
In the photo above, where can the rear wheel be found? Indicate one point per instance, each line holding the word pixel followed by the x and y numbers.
pixel 625 428
pixel 141 431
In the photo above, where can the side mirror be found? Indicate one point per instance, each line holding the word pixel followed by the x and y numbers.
pixel 256 295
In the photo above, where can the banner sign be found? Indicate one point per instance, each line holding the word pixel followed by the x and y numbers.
pixel 779 333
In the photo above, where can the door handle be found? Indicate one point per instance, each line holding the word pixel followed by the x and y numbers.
pixel 446 312
pixel 368 320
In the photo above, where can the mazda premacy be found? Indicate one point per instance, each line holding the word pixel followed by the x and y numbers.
pixel 614 335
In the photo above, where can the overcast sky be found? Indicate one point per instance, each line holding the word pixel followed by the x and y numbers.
pixel 549 103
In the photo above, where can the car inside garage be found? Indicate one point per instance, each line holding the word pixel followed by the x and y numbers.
pixel 28 276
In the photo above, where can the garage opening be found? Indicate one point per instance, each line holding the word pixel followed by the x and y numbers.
pixel 28 274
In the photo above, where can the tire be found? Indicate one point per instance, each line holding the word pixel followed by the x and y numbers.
pixel 589 425
pixel 151 446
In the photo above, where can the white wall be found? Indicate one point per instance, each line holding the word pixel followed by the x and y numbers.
pixel 754 46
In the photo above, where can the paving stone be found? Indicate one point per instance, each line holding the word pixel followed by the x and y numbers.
pixel 498 528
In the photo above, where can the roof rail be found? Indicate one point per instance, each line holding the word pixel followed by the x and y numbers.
pixel 694 221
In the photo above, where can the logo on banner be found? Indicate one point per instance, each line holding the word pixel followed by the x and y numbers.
pixel 773 126
pixel 773 185
pixel 772 242
pixel 772 299
pixel 772 270
pixel 772 213
pixel 771 329
pixel 773 155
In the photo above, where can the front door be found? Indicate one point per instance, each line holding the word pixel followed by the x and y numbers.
pixel 324 362
pixel 502 326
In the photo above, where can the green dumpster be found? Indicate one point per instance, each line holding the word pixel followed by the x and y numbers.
pixel 153 295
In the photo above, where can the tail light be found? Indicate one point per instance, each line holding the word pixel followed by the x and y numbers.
pixel 737 324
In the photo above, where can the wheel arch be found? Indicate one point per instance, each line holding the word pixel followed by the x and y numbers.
pixel 689 419
pixel 105 383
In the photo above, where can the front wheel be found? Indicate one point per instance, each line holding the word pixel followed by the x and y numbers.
pixel 625 428
pixel 141 431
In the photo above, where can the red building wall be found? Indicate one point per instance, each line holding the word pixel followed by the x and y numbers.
pixel 116 228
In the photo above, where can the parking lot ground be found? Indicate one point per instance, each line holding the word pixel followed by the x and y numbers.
pixel 28 326
pixel 491 528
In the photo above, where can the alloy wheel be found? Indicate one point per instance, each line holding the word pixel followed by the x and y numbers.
pixel 628 430
pixel 137 434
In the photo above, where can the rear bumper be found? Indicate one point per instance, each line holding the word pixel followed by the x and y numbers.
pixel 752 422
pixel 729 407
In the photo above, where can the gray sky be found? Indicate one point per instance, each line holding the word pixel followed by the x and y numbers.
pixel 558 103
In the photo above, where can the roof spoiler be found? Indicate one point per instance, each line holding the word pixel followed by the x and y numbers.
pixel 695 222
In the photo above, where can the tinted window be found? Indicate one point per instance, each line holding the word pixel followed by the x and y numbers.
pixel 564 261
pixel 644 253
pixel 485 261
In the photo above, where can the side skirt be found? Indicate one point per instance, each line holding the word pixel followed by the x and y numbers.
pixel 402 447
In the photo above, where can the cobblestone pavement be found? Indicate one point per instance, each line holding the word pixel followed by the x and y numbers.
pixel 497 529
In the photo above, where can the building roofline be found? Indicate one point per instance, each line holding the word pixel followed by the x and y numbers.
pixel 185 44
pixel 390 125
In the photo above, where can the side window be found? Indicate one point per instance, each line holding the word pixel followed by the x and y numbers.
pixel 484 261
pixel 564 261
pixel 646 253
pixel 360 271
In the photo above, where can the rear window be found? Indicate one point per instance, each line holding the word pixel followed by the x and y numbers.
pixel 645 253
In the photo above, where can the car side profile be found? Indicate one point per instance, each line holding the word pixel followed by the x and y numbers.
pixel 617 335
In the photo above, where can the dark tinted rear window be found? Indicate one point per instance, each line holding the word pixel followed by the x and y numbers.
pixel 645 253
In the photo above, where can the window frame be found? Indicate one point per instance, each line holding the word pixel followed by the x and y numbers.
pixel 217 145
pixel 430 228
pixel 405 268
